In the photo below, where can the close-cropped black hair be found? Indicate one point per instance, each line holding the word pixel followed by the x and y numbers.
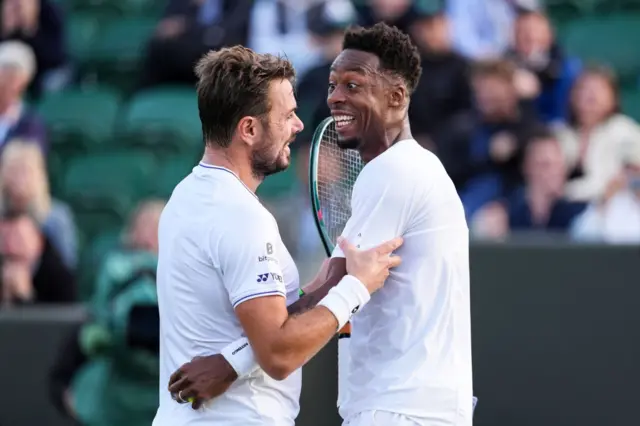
pixel 397 53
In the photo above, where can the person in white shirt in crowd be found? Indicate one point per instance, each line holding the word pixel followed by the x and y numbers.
pixel 223 271
pixel 410 351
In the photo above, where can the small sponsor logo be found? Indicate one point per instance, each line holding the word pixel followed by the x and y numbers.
pixel 276 277
pixel 355 310
pixel 269 248
pixel 267 259
pixel 244 345
pixel 270 275
pixel 262 278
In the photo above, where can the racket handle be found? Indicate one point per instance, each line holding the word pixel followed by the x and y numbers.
pixel 344 358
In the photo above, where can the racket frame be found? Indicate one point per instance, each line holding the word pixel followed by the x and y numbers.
pixel 314 153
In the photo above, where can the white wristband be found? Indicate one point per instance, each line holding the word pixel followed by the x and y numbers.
pixel 346 299
pixel 240 356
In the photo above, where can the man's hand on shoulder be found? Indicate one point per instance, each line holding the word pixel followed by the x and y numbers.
pixel 201 379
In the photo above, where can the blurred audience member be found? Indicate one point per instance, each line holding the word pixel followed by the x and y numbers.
pixel 32 270
pixel 444 90
pixel 24 188
pixel 482 29
pixel 17 67
pixel 399 13
pixel 40 24
pixel 495 150
pixel 327 22
pixel 539 205
pixel 280 27
pixel 545 74
pixel 597 139
pixel 115 353
pixel 189 29
pixel 615 217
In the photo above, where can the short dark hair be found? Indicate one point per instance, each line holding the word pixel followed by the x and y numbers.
pixel 499 68
pixel 397 53
pixel 233 83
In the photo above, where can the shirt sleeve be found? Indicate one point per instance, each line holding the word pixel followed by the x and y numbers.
pixel 380 210
pixel 248 259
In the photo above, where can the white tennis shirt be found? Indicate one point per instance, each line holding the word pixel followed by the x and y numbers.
pixel 410 346
pixel 219 247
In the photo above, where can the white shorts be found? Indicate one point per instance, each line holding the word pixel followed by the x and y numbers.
pixel 382 418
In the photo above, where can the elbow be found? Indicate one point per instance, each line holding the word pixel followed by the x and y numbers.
pixel 279 365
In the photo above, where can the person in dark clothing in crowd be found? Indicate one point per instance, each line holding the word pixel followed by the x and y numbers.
pixel 40 24
pixel 498 135
pixel 189 29
pixel 32 269
pixel 327 22
pixel 538 56
pixel 399 13
pixel 444 90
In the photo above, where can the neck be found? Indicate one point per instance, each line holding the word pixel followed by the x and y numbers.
pixel 369 151
pixel 540 203
pixel 239 165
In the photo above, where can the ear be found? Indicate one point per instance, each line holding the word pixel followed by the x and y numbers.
pixel 249 129
pixel 398 96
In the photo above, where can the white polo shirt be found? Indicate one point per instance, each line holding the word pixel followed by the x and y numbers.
pixel 410 346
pixel 219 247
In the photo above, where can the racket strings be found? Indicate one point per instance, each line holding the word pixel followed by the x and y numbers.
pixel 337 172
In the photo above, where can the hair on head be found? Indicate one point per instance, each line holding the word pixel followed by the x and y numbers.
pixel 233 83
pixel 397 53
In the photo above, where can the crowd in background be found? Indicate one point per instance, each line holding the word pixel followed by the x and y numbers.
pixel 534 139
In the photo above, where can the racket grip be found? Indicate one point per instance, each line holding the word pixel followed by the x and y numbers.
pixel 344 359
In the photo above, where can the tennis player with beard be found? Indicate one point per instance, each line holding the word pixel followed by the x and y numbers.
pixel 224 276
pixel 410 349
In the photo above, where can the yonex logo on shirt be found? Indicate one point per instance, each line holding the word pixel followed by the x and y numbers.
pixel 262 277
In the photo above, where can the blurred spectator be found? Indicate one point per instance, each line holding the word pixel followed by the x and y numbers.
pixel 17 67
pixel 598 139
pixel 115 353
pixel 189 29
pixel 539 205
pixel 498 135
pixel 40 24
pixel 615 217
pixel 545 74
pixel 280 27
pixel 24 188
pixel 482 29
pixel 32 270
pixel 327 22
pixel 399 13
pixel 444 90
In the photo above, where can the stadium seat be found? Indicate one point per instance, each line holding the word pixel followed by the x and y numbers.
pixel 94 252
pixel 280 184
pixel 116 56
pixel 631 103
pixel 102 188
pixel 612 40
pixel 82 31
pixel 79 121
pixel 113 8
pixel 164 120
pixel 171 172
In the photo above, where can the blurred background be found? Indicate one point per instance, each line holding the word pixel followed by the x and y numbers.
pixel 532 106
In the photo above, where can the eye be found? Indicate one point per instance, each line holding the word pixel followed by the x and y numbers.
pixel 332 87
pixel 351 86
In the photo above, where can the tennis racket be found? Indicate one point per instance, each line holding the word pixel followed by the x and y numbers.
pixel 332 174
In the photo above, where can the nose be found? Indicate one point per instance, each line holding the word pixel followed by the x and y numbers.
pixel 298 125
pixel 335 97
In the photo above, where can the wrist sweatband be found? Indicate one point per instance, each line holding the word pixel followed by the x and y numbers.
pixel 240 356
pixel 345 299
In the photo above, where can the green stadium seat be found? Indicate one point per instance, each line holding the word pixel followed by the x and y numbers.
pixel 94 252
pixel 116 56
pixel 102 188
pixel 631 103
pixel 79 121
pixel 82 32
pixel 117 8
pixel 612 40
pixel 171 172
pixel 164 120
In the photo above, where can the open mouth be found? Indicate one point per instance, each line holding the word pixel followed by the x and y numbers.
pixel 343 122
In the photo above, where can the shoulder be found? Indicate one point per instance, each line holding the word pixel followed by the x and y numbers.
pixel 622 122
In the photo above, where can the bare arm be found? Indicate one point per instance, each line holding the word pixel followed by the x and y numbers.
pixel 283 339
